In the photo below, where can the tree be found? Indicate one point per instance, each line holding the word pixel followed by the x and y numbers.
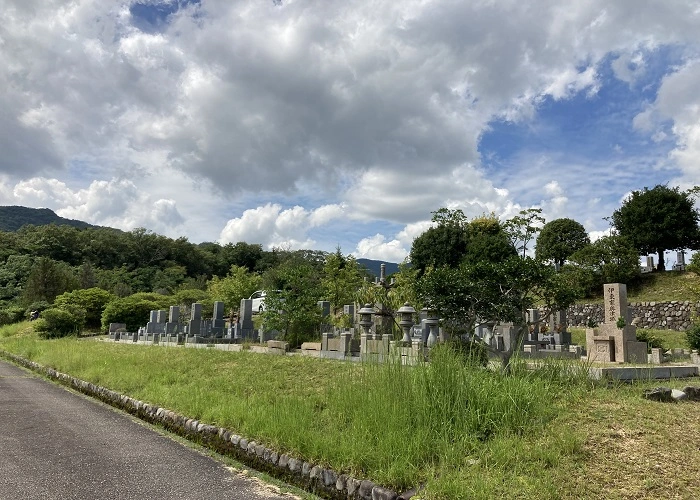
pixel 453 239
pixel 91 300
pixel 523 227
pixel 488 292
pixel 559 239
pixel 47 280
pixel 442 245
pixel 238 284
pixel 611 259
pixel 488 240
pixel 659 219
pixel 292 307
pixel 342 277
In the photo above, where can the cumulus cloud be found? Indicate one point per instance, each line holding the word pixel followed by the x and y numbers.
pixel 373 110
pixel 114 203
pixel 379 248
pixel 272 226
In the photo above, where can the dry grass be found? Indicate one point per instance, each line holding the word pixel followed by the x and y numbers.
pixel 634 448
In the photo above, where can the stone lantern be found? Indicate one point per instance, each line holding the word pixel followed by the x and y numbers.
pixel 406 313
pixel 366 317
pixel 431 323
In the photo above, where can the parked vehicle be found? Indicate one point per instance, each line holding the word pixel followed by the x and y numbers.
pixel 258 299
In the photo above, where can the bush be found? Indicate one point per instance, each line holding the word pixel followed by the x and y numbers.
pixel 471 352
pixel 694 264
pixel 11 315
pixel 55 323
pixel 652 342
pixel 693 336
pixel 133 310
pixel 91 300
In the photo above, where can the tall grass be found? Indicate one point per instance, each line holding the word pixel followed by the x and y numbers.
pixel 396 424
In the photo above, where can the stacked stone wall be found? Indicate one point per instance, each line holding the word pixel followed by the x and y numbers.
pixel 673 315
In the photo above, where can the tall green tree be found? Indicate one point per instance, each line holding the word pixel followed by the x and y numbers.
pixel 559 239
pixel 342 277
pixel 47 280
pixel 444 244
pixel 659 219
pixel 610 259
pixel 292 307
pixel 239 284
pixel 490 291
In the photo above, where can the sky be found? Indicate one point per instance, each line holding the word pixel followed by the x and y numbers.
pixel 321 124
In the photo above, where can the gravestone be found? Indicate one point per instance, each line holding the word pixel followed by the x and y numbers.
pixel 612 343
pixel 156 323
pixel 172 327
pixel 194 326
pixel 218 323
pixel 244 327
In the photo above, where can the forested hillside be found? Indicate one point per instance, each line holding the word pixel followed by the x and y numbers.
pixel 39 263
pixel 13 217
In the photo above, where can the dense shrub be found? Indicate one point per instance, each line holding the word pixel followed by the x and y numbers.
pixel 652 342
pixel 55 323
pixel 133 310
pixel 693 336
pixel 91 300
pixel 472 352
pixel 12 314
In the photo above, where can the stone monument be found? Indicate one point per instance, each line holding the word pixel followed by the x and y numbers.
pixel 615 341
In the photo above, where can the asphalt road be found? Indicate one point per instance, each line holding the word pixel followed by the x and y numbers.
pixel 55 444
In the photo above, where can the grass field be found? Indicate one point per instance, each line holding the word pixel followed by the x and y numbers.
pixel 660 287
pixel 461 431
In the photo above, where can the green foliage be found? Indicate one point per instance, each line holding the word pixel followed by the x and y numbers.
pixel 659 219
pixel 442 245
pixel 294 309
pixel 694 264
pixel 652 341
pixel 90 300
pixel 342 277
pixel 189 296
pixel 693 336
pixel 12 314
pixel 559 239
pixel 454 240
pixel 472 351
pixel 55 323
pixel 133 310
pixel 488 240
pixel 48 279
pixel 621 322
pixel 611 259
pixel 239 284
pixel 523 227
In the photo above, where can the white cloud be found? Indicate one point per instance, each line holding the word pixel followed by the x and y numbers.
pixel 377 247
pixel 272 226
pixel 115 203
pixel 357 110
pixel 628 67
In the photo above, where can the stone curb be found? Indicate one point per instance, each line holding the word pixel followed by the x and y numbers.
pixel 326 483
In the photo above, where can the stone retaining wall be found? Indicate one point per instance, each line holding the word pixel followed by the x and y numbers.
pixel 674 315
pixel 326 483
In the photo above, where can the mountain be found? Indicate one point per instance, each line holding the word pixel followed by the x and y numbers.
pixel 374 266
pixel 14 217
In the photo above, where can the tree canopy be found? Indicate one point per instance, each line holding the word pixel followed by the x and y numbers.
pixel 454 239
pixel 659 219
pixel 559 239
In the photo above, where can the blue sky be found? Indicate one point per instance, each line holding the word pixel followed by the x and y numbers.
pixel 311 124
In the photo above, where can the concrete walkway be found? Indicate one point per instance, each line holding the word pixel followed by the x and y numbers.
pixel 55 444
